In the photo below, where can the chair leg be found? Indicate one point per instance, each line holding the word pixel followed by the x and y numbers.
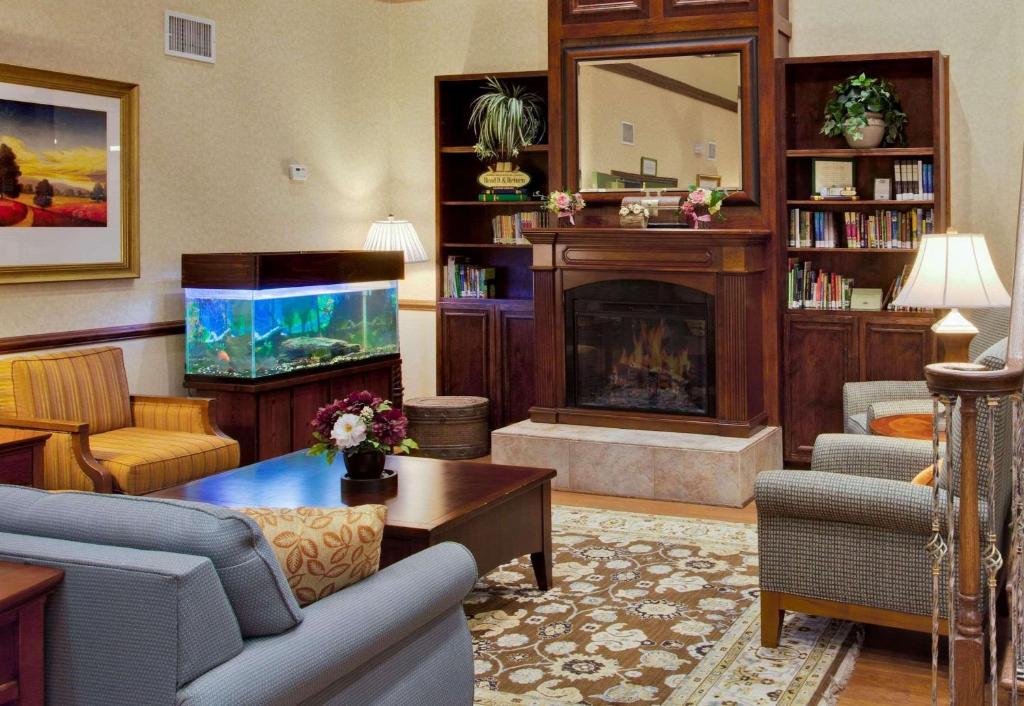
pixel 772 616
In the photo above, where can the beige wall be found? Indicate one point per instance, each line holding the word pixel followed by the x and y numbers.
pixel 347 88
pixel 986 105
pixel 294 81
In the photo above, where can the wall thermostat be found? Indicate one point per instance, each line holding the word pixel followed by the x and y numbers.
pixel 297 172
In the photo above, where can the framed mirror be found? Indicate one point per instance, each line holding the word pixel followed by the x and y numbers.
pixel 663 116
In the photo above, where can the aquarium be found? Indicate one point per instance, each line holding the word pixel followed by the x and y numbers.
pixel 256 333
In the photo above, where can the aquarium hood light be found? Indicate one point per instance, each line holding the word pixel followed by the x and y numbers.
pixel 394 234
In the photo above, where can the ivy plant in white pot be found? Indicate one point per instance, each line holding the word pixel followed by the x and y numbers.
pixel 867 112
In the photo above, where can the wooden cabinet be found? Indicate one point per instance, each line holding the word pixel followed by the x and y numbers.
pixel 580 11
pixel 486 349
pixel 825 350
pixel 270 418
pixel 21 457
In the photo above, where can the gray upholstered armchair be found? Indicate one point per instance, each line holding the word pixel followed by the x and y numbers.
pixel 847 538
pixel 864 401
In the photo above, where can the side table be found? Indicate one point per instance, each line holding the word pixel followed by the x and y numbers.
pixel 21 456
pixel 23 592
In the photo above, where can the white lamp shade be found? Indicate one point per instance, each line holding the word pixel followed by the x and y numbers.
pixel 953 270
pixel 394 234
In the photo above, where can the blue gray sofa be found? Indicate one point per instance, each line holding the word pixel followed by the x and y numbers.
pixel 167 602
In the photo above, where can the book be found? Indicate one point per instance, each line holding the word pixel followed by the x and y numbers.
pixel 463 280
pixel 507 228
pixel 807 288
pixel 886 229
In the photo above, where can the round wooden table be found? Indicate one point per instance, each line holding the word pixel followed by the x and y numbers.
pixel 905 426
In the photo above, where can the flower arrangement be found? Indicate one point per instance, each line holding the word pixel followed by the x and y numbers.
pixel 634 209
pixel 360 423
pixel 566 205
pixel 702 205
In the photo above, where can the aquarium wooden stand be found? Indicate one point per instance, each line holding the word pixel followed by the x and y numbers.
pixel 270 417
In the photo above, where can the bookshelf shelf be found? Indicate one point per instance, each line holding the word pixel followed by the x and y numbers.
pixel 825 348
pixel 491 204
pixel 848 153
pixel 858 251
pixel 468 149
pixel 862 203
pixel 495 246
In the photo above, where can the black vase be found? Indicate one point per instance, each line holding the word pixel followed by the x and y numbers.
pixel 365 465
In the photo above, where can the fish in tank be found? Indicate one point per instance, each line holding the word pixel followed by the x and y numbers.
pixel 241 333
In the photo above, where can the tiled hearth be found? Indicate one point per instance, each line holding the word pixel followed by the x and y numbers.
pixel 695 468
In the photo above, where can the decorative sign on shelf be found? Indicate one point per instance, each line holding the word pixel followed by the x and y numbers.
pixel 504 182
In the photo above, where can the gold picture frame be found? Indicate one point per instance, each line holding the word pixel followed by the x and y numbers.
pixel 708 181
pixel 102 224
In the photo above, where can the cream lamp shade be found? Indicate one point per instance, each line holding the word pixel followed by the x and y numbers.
pixel 953 270
pixel 394 234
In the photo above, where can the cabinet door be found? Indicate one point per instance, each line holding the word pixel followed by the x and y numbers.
pixel 895 349
pixel 682 8
pixel 306 400
pixel 464 362
pixel 515 366
pixel 585 11
pixel 821 355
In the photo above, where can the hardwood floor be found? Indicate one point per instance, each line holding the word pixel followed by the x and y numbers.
pixel 894 666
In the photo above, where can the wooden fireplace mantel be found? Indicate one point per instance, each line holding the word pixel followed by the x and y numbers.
pixel 728 264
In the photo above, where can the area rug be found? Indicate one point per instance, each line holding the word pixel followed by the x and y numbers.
pixel 647 609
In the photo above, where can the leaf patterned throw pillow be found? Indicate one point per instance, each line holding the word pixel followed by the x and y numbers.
pixel 322 550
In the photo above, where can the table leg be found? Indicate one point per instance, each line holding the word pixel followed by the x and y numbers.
pixel 542 560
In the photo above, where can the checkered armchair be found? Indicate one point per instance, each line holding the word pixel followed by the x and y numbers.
pixel 865 401
pixel 847 538
pixel 103 438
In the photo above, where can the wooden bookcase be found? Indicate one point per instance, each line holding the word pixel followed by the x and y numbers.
pixel 822 350
pixel 485 347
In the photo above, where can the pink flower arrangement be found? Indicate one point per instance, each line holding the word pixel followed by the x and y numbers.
pixel 360 422
pixel 702 204
pixel 566 205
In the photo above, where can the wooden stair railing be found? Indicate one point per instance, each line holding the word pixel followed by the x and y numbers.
pixel 970 383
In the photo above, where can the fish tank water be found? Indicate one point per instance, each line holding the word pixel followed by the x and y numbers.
pixel 256 333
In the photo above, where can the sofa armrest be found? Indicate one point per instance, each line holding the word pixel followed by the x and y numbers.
pixel 872 456
pixel 835 497
pixel 344 631
pixel 66 450
pixel 190 414
pixel 858 396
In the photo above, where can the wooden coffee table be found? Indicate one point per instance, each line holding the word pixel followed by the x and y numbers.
pixel 905 426
pixel 498 512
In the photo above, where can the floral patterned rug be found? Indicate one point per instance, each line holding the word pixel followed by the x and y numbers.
pixel 647 609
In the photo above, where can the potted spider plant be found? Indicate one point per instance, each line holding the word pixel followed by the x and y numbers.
pixel 505 118
pixel 867 112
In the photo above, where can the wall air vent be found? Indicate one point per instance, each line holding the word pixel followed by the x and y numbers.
pixel 628 133
pixel 190 37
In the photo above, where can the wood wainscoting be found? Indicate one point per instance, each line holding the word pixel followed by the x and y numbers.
pixel 112 334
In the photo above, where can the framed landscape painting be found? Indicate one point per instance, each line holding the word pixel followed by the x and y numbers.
pixel 69 186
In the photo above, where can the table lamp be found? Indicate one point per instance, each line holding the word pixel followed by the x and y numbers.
pixel 953 270
pixel 394 234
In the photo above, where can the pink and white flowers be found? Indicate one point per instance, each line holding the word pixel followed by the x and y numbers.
pixel 360 422
pixel 702 204
pixel 566 205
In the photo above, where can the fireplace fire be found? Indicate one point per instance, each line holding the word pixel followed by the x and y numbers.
pixel 642 346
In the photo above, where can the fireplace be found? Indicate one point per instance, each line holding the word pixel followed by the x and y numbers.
pixel 640 346
pixel 652 330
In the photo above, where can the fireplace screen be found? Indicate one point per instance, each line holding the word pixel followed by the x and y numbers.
pixel 641 346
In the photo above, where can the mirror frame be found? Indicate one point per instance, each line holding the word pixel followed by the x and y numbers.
pixel 745 46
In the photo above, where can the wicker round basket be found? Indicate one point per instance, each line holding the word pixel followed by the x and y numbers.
pixel 449 427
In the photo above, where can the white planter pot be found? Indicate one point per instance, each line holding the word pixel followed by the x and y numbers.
pixel 874 133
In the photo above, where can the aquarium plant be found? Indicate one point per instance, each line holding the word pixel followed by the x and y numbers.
pixel 506 118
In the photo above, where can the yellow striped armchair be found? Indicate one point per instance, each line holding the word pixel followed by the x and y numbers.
pixel 102 437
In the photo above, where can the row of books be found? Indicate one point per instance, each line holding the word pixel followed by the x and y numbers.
pixel 508 228
pixel 913 180
pixel 807 288
pixel 859 229
pixel 894 290
pixel 463 280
